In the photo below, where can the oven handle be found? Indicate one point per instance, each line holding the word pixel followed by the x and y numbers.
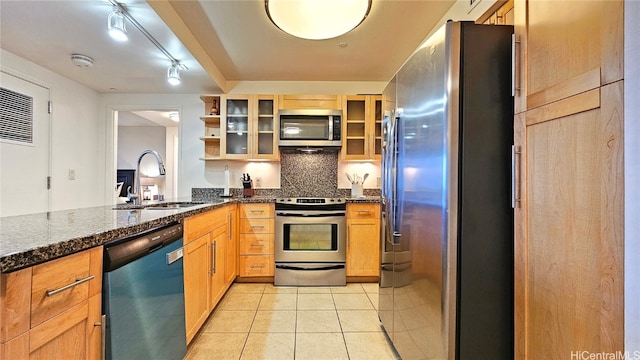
pixel 330 267
pixel 296 214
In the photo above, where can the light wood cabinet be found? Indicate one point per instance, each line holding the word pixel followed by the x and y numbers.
pixel 209 264
pixel 196 261
pixel 256 240
pixel 566 48
pixel 244 128
pixel 569 247
pixel 327 102
pixel 362 127
pixel 363 239
pixel 501 13
pixel 53 310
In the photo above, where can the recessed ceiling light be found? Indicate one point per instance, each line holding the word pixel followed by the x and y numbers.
pixel 343 44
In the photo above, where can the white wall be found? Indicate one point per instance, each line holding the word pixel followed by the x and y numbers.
pixel 76 136
pixel 632 175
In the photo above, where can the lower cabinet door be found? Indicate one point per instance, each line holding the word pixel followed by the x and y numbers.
pixel 363 247
pixel 197 259
pixel 66 336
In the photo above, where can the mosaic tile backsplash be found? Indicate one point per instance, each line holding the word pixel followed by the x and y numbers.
pixel 301 175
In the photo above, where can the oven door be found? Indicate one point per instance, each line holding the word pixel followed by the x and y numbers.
pixel 310 236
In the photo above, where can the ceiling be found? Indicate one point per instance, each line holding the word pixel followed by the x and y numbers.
pixel 222 42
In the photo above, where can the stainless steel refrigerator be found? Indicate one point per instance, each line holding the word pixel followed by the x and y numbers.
pixel 446 285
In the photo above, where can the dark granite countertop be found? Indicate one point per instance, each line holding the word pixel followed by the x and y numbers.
pixel 28 240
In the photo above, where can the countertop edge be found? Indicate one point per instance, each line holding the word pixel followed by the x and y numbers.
pixel 20 260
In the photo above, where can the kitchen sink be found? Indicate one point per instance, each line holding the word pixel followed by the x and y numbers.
pixel 159 206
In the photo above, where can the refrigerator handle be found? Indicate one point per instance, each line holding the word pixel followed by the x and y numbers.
pixel 515 176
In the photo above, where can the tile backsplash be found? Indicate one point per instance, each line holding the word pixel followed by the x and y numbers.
pixel 301 175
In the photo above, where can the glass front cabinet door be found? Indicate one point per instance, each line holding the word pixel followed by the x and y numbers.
pixel 250 127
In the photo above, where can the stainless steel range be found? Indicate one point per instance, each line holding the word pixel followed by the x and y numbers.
pixel 310 243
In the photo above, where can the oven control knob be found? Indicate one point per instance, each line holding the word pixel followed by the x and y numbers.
pixel 289 200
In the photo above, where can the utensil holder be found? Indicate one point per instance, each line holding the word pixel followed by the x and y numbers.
pixel 356 190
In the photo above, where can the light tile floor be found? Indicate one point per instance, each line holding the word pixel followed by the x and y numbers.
pixel 261 321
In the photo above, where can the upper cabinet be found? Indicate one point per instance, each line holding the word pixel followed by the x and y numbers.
pixel 563 49
pixel 362 127
pixel 328 102
pixel 244 127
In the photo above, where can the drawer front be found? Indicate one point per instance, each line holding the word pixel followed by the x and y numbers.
pixel 256 226
pixel 256 244
pixel 59 284
pixel 198 225
pixel 256 265
pixel 257 211
pixel 363 211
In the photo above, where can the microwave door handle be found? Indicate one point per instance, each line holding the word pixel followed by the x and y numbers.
pixel 330 128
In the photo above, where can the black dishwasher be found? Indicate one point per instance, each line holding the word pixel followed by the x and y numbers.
pixel 143 296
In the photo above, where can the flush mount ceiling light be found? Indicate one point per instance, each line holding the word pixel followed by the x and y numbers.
pixel 116 26
pixel 307 19
pixel 173 74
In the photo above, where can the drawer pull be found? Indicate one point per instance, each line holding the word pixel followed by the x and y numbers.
pixel 257 226
pixel 69 286
pixel 256 244
pixel 363 211
pixel 256 266
pixel 259 211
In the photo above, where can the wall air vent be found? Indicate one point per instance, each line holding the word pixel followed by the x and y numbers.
pixel 16 117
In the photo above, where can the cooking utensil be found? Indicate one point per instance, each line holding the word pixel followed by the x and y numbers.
pixel 366 175
pixel 349 177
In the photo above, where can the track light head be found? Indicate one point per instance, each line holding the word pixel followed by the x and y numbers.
pixel 116 25
pixel 173 74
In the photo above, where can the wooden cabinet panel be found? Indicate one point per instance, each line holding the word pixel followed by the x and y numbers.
pixel 564 45
pixel 198 225
pixel 363 239
pixel 257 211
pixel 57 274
pixel 363 247
pixel 256 244
pixel 15 303
pixel 256 226
pixel 217 278
pixel 197 259
pixel 256 265
pixel 329 102
pixel 256 230
pixel 62 337
pixel 569 246
pixel 363 211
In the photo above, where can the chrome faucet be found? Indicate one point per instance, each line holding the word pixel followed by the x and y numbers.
pixel 135 196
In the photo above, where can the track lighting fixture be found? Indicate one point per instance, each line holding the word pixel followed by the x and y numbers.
pixel 117 31
pixel 173 74
pixel 116 26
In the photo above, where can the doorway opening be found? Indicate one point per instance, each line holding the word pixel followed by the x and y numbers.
pixel 136 130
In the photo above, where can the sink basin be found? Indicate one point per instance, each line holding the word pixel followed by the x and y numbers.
pixel 159 206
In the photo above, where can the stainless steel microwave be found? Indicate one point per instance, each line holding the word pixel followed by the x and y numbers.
pixel 310 127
